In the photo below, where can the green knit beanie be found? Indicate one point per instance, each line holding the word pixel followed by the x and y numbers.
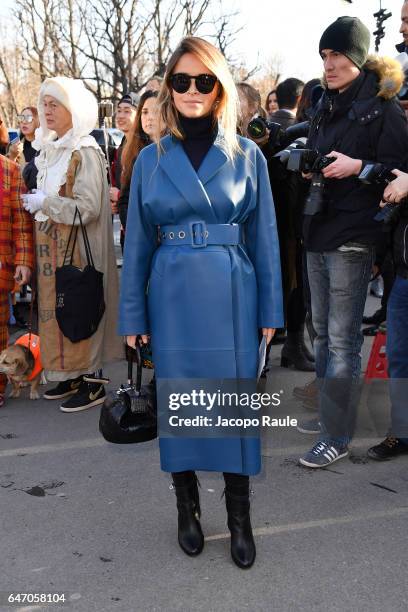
pixel 349 36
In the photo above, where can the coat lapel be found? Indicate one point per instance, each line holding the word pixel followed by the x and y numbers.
pixel 189 183
pixel 213 161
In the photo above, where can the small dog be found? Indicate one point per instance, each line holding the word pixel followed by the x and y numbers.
pixel 19 364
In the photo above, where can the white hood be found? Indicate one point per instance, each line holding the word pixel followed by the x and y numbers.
pixel 56 153
pixel 83 107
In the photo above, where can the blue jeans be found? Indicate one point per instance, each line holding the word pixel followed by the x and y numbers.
pixel 397 354
pixel 338 285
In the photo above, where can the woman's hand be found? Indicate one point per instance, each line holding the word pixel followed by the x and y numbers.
pixel 343 167
pixel 131 340
pixel 15 150
pixel 261 141
pixel 397 189
pixel 22 275
pixel 33 201
pixel 269 332
pixel 114 196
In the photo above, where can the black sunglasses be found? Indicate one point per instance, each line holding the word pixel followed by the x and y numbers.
pixel 204 83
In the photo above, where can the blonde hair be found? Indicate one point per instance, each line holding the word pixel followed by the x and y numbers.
pixel 225 111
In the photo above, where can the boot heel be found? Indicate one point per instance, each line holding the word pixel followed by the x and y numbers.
pixel 285 362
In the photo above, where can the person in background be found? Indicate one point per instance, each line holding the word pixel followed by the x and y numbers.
pixel 249 106
pixel 16 247
pixel 271 103
pixel 125 120
pixel 396 442
pixel 4 137
pixel 145 132
pixel 72 176
pixel 288 94
pixel 23 151
pixel 311 94
pixel 403 46
pixel 154 84
pixel 284 188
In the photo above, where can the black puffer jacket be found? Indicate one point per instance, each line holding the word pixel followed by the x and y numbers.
pixel 365 122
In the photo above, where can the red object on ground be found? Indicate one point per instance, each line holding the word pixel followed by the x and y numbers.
pixel 377 366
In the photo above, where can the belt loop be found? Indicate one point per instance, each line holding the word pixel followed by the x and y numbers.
pixel 198 229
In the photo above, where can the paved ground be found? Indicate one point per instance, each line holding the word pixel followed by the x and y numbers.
pixel 98 522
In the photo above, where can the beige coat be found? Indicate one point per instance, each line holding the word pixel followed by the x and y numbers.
pixel 86 188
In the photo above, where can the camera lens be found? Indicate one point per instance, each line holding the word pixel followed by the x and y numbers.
pixel 257 128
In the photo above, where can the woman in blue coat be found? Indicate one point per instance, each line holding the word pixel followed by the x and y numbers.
pixel 215 278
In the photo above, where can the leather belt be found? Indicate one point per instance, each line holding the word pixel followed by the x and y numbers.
pixel 199 234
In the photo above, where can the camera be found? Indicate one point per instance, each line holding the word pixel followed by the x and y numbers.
pixel 278 137
pixel 307 161
pixel 376 174
pixel 257 127
pixel 379 174
pixel 311 161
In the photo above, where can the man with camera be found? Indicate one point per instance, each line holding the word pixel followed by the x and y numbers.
pixel 357 121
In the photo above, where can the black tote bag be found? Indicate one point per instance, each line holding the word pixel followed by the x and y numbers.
pixel 129 415
pixel 80 302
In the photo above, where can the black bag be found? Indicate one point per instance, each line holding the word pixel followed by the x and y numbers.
pixel 129 414
pixel 80 302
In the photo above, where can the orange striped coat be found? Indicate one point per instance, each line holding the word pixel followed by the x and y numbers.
pixel 16 226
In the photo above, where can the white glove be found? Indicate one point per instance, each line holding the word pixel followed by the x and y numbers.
pixel 33 201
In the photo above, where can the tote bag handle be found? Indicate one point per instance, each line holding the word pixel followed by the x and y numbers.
pixel 73 234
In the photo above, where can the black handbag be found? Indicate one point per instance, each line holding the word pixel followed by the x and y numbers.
pixel 129 415
pixel 80 302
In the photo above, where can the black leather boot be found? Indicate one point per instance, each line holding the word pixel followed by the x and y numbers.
pixel 310 329
pixel 308 354
pixel 293 353
pixel 190 535
pixel 243 551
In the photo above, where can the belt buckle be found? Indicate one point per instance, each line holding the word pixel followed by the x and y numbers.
pixel 198 229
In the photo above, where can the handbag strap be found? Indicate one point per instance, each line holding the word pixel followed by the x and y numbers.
pixel 74 233
pixel 129 353
pixel 86 242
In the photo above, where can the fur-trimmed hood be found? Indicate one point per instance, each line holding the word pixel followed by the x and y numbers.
pixel 389 73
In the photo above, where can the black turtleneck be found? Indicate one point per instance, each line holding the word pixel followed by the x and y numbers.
pixel 199 136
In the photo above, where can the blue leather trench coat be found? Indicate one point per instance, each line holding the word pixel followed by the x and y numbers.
pixel 202 306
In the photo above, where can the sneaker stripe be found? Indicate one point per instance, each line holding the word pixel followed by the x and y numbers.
pixel 322 455
pixel 331 453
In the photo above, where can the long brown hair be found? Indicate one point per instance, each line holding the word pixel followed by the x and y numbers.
pixel 305 101
pixel 138 139
pixel 225 111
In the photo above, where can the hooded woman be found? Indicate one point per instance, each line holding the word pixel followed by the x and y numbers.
pixel 72 174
